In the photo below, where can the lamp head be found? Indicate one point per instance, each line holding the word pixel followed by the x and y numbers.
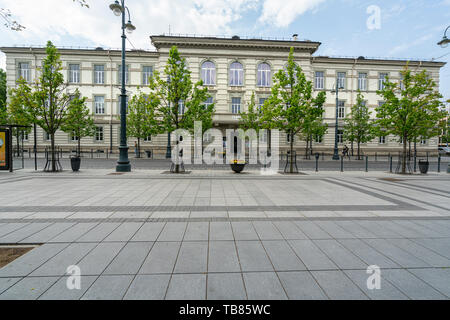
pixel 129 27
pixel 444 42
pixel 116 8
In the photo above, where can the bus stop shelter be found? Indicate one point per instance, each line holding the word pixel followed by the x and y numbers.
pixel 6 146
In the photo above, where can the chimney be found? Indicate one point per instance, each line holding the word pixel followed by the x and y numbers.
pixel 295 37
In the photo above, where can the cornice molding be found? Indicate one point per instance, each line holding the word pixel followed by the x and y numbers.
pixel 239 44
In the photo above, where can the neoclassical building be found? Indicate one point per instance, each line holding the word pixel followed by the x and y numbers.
pixel 231 68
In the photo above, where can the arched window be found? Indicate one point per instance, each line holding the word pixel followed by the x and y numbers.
pixel 236 74
pixel 264 75
pixel 208 73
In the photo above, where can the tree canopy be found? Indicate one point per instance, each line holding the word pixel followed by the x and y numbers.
pixel 411 108
pixel 292 103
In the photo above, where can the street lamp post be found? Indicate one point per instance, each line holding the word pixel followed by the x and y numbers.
pixel 336 150
pixel 123 164
pixel 445 41
pixel 169 147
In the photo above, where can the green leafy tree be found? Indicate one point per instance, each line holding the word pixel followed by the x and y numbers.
pixel 17 114
pixel 358 126
pixel 78 122
pixel 142 120
pixel 2 90
pixel 251 119
pixel 445 129
pixel 46 100
pixel 179 102
pixel 291 103
pixel 313 126
pixel 410 110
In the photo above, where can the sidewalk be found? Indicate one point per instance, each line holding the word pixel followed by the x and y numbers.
pixel 219 235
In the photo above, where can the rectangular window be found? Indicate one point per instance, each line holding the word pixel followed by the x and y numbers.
pixel 24 71
pixel 341 77
pixel 261 103
pixel 318 138
pixel 362 81
pixel 148 139
pixel 99 102
pixel 341 109
pixel 147 72
pixel 235 105
pixel 181 107
pixel 25 136
pixel 382 139
pixel 99 134
pixel 73 137
pixel 381 80
pixel 118 104
pixel 340 135
pixel 74 73
pixel 423 141
pixel 119 79
pixel 402 84
pixel 46 136
pixel 319 80
pixel 288 137
pixel 208 102
pixel 99 74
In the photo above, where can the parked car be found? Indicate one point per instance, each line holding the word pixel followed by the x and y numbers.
pixel 444 150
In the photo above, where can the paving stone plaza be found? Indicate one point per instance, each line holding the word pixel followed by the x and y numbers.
pixel 217 235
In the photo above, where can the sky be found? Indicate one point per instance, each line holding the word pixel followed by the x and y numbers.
pixel 408 29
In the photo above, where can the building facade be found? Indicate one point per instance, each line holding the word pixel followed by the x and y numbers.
pixel 231 68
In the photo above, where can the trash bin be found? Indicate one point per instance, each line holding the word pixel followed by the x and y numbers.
pixel 423 166
pixel 149 153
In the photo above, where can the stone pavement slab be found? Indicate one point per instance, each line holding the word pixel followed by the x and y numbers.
pixel 148 287
pixel 226 286
pixel 162 258
pixel 130 258
pixel 29 288
pixel 253 257
pixel 60 291
pixel 187 287
pixel 108 288
pixel 222 257
pixel 264 286
pixel 338 286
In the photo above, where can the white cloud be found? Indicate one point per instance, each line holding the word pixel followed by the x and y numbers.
pixel 282 13
pixel 64 21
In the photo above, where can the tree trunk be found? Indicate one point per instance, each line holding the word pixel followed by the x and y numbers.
pixel 404 155
pixel 310 146
pixel 52 148
pixel 291 167
pixel 409 150
pixel 139 148
pixel 79 147
pixel 306 148
pixel 359 154
pixel 351 146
